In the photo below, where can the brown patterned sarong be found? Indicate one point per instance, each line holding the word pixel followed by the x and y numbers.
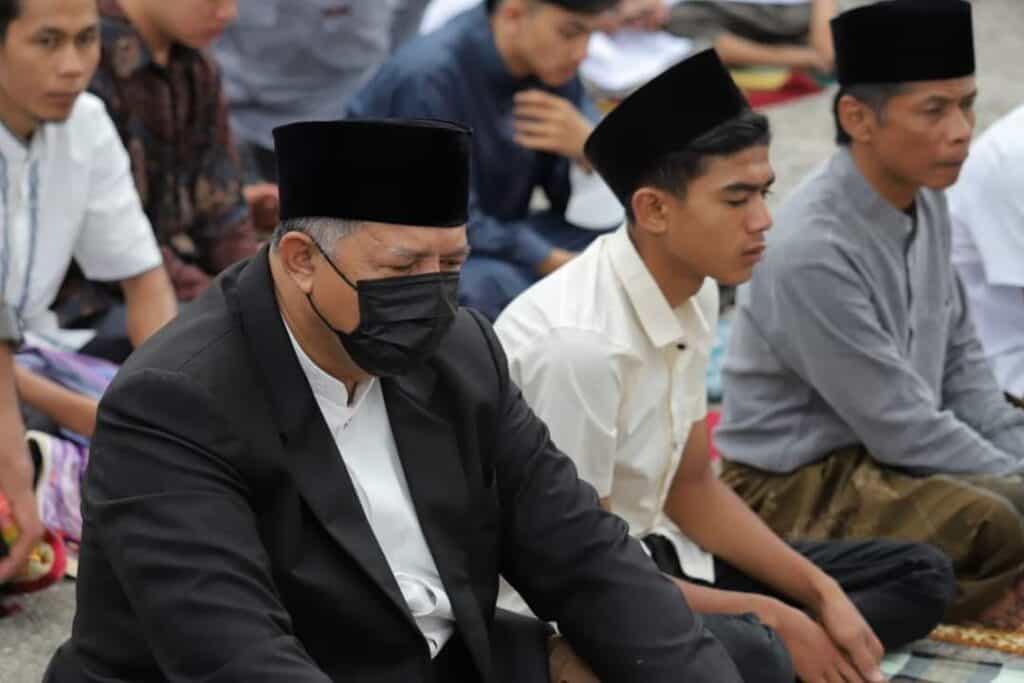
pixel 848 494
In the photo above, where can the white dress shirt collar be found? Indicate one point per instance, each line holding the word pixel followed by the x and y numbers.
pixel 664 326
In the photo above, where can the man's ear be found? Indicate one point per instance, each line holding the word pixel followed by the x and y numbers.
pixel 296 252
pixel 857 119
pixel 650 208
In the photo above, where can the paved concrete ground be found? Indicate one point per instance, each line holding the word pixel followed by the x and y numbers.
pixel 803 137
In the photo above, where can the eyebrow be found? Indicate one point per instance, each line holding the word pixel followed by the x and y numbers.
pixel 748 187
pixel 412 254
pixel 946 99
pixel 53 30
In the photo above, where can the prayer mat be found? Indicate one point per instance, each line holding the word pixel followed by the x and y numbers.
pixel 931 661
pixel 763 86
pixel 768 86
pixel 1007 642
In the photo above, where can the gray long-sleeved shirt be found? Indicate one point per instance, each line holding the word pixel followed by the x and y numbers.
pixel 286 61
pixel 853 331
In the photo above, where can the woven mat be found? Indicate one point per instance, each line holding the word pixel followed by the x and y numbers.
pixel 938 661
pixel 1007 642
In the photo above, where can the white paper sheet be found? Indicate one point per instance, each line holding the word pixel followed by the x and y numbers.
pixel 620 63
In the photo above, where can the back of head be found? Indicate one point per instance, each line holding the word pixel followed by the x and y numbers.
pixel 882 47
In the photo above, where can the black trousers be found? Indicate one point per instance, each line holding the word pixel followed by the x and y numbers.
pixel 902 589
pixel 519 653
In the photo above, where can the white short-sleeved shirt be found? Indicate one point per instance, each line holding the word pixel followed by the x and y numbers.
pixel 618 376
pixel 68 194
pixel 987 206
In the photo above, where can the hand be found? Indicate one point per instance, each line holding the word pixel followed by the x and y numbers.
pixel 549 123
pixel 645 15
pixel 16 486
pixel 557 259
pixel 815 657
pixel 848 630
pixel 811 59
pixel 189 281
pixel 264 206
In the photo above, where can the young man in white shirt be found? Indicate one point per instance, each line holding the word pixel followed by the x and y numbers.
pixel 988 245
pixel 611 352
pixel 65 193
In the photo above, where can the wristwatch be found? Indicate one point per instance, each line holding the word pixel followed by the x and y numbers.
pixel 10 327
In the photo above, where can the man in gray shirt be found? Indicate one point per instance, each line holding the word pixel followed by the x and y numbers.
pixel 287 61
pixel 858 402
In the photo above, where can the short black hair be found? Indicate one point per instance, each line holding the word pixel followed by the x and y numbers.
pixel 875 96
pixel 9 11
pixel 676 170
pixel 580 6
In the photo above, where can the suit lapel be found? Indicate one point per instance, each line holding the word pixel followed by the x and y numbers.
pixel 429 452
pixel 310 453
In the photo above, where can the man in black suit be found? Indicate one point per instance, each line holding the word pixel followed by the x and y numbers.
pixel 319 471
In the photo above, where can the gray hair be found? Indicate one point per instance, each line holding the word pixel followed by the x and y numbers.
pixel 324 231
pixel 875 95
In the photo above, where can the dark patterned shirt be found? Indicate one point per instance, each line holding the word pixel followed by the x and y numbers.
pixel 174 121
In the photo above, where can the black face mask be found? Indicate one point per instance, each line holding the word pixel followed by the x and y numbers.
pixel 402 320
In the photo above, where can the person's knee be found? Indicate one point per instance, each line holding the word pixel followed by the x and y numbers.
pixel 930 572
pixel 758 651
pixel 998 526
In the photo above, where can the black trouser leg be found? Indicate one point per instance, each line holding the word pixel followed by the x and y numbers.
pixel 758 652
pixel 902 589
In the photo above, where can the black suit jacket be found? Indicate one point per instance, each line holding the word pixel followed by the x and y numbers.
pixel 224 541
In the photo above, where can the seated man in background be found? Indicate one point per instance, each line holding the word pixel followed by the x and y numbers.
pixel 319 470
pixel 332 48
pixel 67 194
pixel 508 70
pixel 165 97
pixel 784 33
pixel 987 205
pixel 854 374
pixel 612 352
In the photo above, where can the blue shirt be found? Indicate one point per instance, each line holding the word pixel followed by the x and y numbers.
pixel 456 74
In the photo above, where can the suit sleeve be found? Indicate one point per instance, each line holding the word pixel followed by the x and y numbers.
pixel 577 565
pixel 172 516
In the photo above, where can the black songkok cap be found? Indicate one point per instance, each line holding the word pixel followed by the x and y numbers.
pixel 663 117
pixel 898 41
pixel 406 172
